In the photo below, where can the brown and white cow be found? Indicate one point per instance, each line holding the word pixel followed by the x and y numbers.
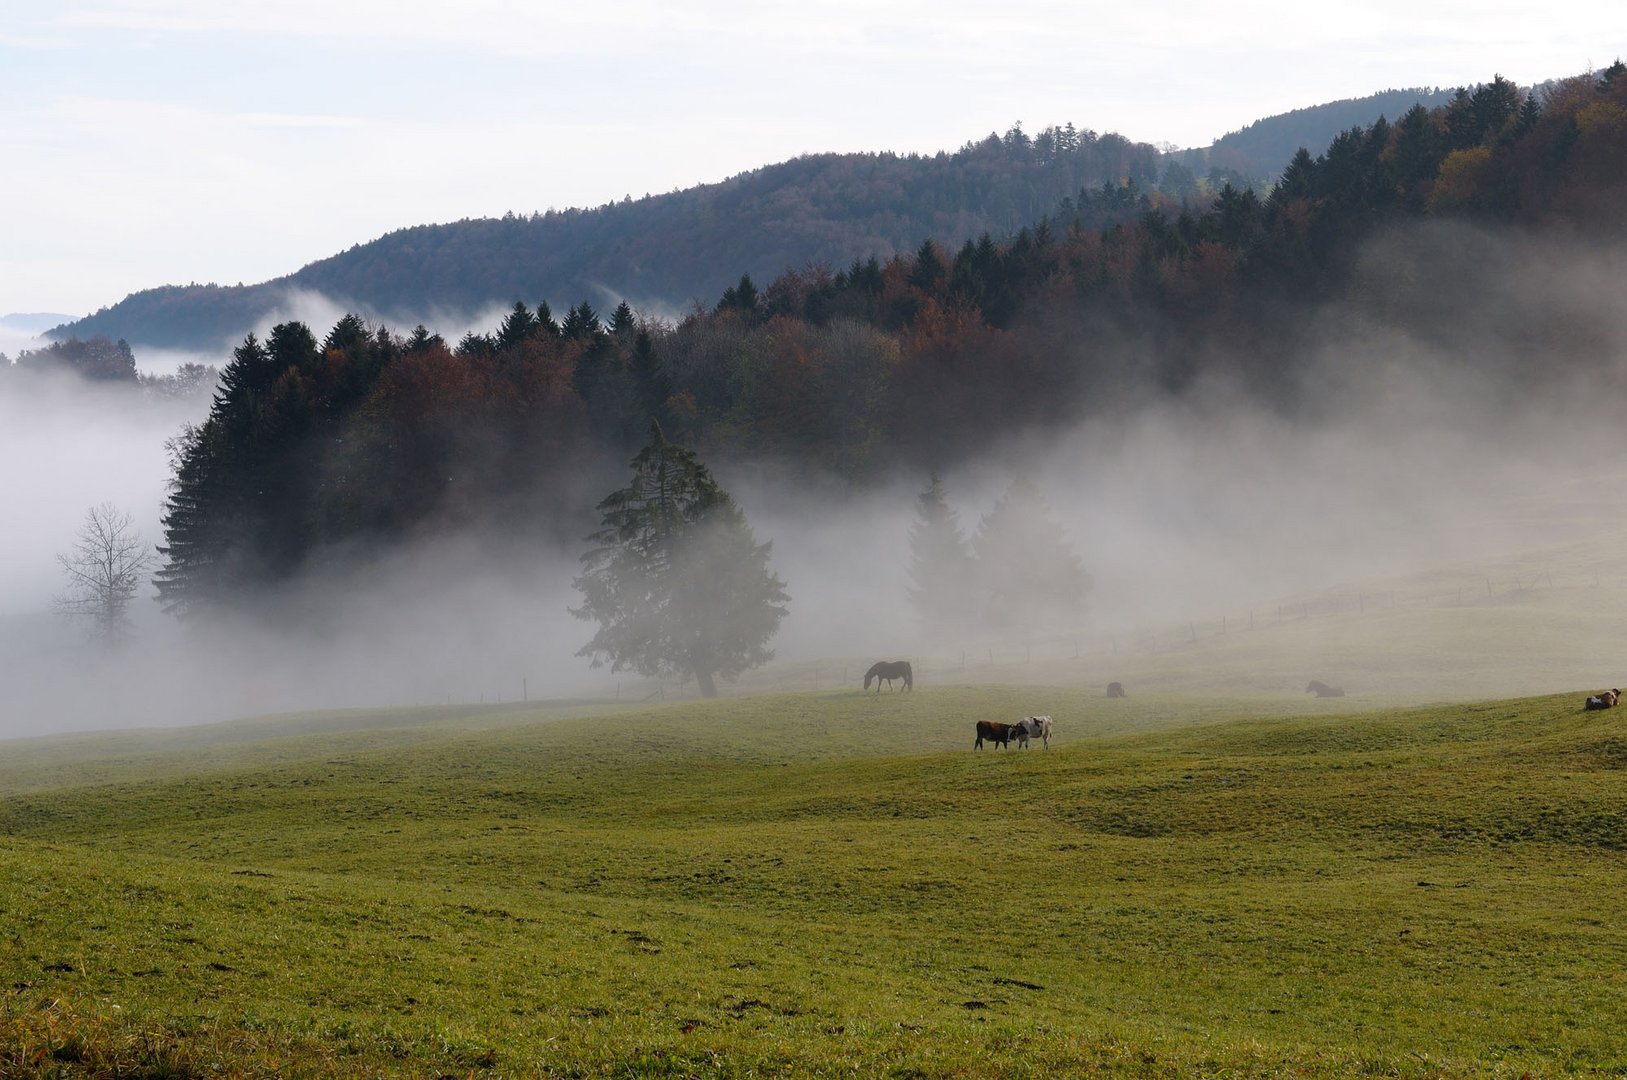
pixel 1604 699
pixel 995 732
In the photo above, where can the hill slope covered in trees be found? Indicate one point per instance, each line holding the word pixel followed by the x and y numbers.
pixel 660 252
pixel 1265 146
pixel 926 358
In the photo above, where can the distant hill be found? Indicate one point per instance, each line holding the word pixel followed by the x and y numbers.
pixel 1264 147
pixel 661 253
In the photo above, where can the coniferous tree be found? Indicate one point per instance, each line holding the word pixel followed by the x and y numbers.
pixel 582 321
pixel 1493 104
pixel 477 345
pixel 206 521
pixel 545 320
pixel 1027 573
pixel 940 563
pixel 1416 154
pixel 651 386
pixel 676 580
pixel 518 325
pixel 289 345
pixel 741 297
pixel 422 339
pixel 929 268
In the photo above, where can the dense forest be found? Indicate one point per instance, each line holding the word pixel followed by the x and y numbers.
pixel 663 251
pixel 910 361
pixel 1265 146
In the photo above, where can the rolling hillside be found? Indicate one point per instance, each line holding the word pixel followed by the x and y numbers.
pixel 820 885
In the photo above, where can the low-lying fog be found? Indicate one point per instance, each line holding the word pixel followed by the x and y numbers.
pixel 1412 457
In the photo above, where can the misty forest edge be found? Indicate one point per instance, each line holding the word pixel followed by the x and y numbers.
pixel 312 449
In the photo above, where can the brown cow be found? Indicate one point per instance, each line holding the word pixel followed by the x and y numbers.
pixel 996 732
pixel 1322 689
pixel 1115 689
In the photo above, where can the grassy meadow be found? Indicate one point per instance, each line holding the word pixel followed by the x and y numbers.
pixel 824 884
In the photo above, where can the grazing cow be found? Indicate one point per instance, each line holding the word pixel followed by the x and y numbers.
pixel 889 670
pixel 1322 689
pixel 995 732
pixel 1604 699
pixel 1033 727
pixel 1116 689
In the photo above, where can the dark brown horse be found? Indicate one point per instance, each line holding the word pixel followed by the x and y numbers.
pixel 890 670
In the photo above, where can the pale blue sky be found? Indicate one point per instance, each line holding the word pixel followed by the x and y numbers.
pixel 147 142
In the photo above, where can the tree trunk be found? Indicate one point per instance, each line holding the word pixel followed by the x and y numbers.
pixel 708 687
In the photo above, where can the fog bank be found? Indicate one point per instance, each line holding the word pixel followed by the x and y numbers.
pixel 1430 429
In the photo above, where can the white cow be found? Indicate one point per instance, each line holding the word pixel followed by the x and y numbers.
pixel 1032 727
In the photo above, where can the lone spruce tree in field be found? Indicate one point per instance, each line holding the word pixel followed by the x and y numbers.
pixel 676 580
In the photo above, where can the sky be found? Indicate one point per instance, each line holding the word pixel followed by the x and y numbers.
pixel 151 142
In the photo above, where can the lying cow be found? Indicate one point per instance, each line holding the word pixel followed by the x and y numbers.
pixel 1605 699
pixel 1322 689
pixel 996 732
pixel 1033 727
pixel 1115 689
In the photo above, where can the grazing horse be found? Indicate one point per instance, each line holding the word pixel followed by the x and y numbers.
pixel 1604 699
pixel 890 670
pixel 1322 689
pixel 1115 689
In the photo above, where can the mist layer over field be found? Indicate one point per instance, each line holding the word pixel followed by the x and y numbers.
pixel 1418 457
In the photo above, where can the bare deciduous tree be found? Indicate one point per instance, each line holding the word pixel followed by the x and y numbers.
pixel 106 565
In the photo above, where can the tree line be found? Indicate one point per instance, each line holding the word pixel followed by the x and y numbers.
pixel 109 363
pixel 911 361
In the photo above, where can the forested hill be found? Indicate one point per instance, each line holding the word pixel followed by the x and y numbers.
pixel 353 441
pixel 1262 148
pixel 661 252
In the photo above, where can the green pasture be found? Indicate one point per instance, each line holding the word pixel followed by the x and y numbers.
pixel 827 884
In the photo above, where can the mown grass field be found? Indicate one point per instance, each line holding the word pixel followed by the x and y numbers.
pixel 827 884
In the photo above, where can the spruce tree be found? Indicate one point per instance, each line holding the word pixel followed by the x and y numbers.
pixel 940 564
pixel 676 580
pixel 1027 572
pixel 518 325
